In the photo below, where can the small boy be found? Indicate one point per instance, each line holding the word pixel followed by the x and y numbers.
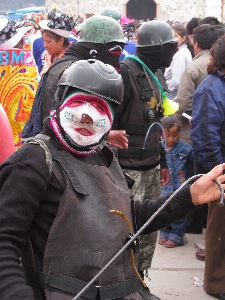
pixel 178 155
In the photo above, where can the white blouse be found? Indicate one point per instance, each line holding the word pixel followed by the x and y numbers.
pixel 179 62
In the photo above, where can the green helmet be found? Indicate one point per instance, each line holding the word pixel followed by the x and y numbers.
pixel 154 33
pixel 95 77
pixel 101 30
pixel 112 12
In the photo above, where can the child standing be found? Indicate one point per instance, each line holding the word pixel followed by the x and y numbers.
pixel 178 155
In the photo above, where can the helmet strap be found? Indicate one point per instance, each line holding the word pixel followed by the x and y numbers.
pixel 58 100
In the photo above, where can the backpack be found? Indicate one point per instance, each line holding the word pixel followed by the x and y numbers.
pixel 34 124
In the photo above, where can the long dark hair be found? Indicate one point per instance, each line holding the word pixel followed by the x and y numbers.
pixel 182 31
pixel 217 53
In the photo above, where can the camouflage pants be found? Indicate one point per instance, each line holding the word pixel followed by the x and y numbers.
pixel 147 186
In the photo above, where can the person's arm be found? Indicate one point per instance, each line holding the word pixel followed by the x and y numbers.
pixel 24 180
pixel 186 91
pixel 117 138
pixel 208 124
pixel 177 69
pixel 126 97
pixel 203 190
pixel 164 171
pixel 164 176
pixel 38 52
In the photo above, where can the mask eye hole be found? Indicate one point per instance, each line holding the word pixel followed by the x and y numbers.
pixel 93 53
pixel 98 106
pixel 117 50
pixel 76 103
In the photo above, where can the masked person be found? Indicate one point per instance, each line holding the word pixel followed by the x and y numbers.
pixel 100 38
pixel 141 107
pixel 113 12
pixel 63 198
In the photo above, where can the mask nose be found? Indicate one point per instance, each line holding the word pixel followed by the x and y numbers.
pixel 86 119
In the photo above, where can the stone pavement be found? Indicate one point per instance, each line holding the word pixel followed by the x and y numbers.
pixel 173 268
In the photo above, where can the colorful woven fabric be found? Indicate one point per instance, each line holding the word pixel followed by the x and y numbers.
pixel 18 85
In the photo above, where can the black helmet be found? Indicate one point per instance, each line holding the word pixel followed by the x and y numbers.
pixel 112 12
pixel 53 11
pixel 101 30
pixel 154 33
pixel 95 77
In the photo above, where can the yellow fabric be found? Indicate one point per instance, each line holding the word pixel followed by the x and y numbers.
pixel 18 85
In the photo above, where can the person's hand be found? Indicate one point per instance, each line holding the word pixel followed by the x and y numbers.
pixel 204 189
pixel 118 139
pixel 164 176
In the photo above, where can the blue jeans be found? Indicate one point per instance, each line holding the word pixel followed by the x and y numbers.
pixel 175 231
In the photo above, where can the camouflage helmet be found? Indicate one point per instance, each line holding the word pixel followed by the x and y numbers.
pixel 101 29
pixel 95 77
pixel 154 33
pixel 112 12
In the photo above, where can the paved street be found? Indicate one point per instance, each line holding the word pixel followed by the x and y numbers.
pixel 173 268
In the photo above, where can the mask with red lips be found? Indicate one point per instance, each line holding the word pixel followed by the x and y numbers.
pixel 84 121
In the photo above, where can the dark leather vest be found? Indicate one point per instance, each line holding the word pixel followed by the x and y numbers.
pixel 133 120
pixel 85 235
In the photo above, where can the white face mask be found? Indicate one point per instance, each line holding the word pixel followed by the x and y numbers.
pixel 85 118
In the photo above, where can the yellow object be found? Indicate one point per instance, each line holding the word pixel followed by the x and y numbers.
pixel 53 6
pixel 153 102
pixel 169 107
pixel 132 252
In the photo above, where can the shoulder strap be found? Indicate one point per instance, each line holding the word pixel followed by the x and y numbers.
pixel 61 60
pixel 140 79
pixel 52 155
pixel 129 63
pixel 38 139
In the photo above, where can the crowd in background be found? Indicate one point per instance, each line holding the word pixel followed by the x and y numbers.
pixel 193 78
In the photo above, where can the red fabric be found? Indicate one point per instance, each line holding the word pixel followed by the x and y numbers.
pixel 7 146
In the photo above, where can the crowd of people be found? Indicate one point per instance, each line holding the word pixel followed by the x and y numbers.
pixel 102 153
